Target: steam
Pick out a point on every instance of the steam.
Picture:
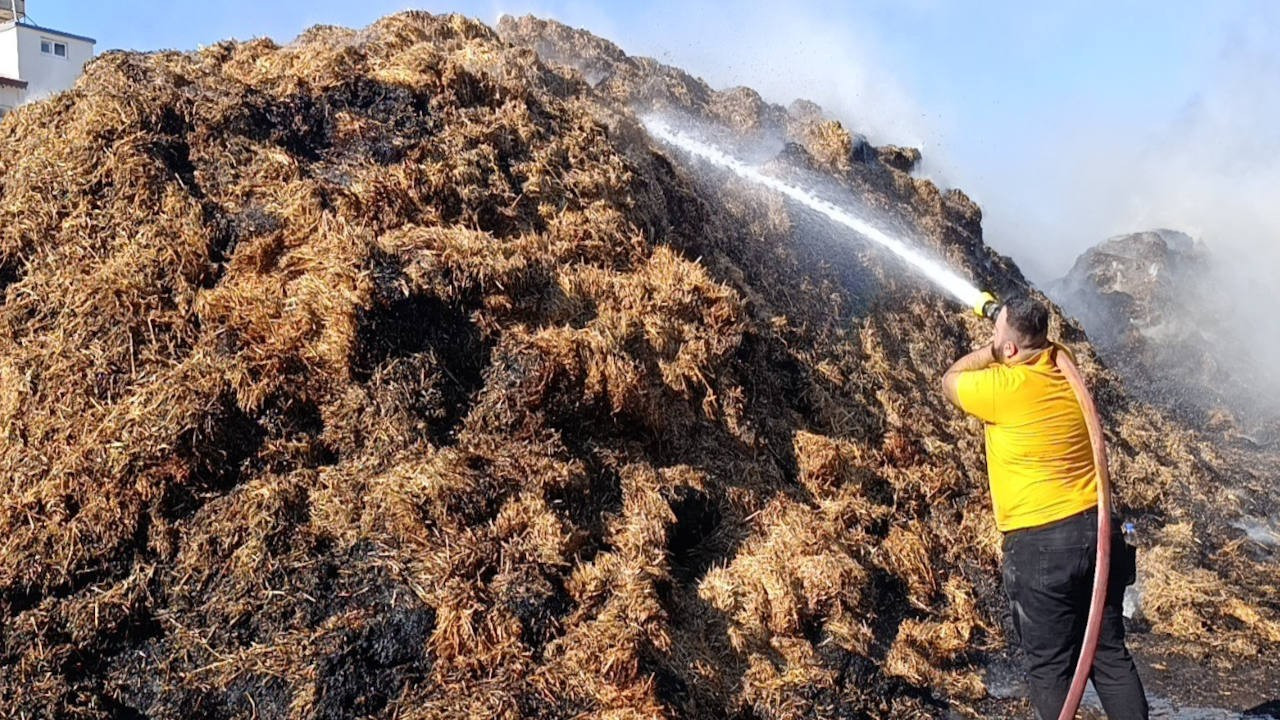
(784, 51)
(1212, 171)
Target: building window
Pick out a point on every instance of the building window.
(53, 47)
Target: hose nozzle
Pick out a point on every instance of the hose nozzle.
(987, 306)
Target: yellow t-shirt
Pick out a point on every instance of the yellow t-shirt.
(1039, 458)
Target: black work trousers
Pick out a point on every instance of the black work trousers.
(1048, 576)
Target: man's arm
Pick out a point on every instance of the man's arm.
(976, 360)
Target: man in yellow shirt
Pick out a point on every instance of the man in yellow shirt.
(1044, 494)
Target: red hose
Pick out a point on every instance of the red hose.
(1103, 564)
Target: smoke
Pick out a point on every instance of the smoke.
(1211, 170)
(785, 51)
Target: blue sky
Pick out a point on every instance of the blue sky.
(1068, 122)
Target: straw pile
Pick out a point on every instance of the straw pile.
(394, 373)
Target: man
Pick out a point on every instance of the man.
(1044, 492)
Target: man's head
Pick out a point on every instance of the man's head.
(1022, 327)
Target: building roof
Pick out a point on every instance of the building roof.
(13, 83)
(59, 33)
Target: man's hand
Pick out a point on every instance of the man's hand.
(976, 360)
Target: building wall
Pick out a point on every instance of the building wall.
(10, 98)
(9, 50)
(48, 74)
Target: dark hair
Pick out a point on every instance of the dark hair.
(1029, 318)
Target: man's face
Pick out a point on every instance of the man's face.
(1002, 344)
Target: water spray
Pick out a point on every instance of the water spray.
(984, 304)
(958, 287)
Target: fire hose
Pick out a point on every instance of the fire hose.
(989, 307)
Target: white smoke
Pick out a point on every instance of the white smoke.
(784, 51)
(1212, 171)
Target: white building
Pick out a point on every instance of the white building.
(36, 61)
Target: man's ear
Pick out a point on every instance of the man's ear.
(1010, 349)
